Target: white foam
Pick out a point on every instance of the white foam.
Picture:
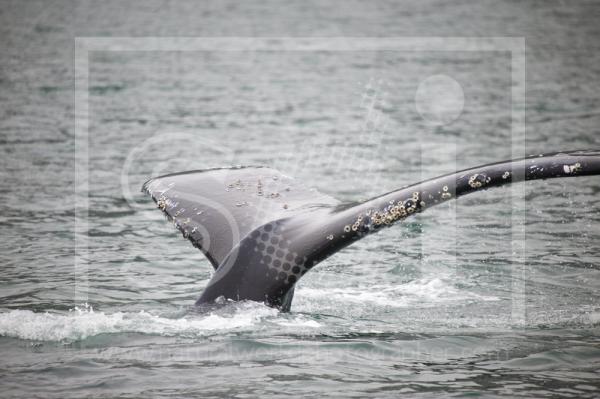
(594, 317)
(298, 321)
(424, 292)
(83, 323)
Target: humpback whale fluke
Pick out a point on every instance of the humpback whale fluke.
(262, 230)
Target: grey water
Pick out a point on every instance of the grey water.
(495, 295)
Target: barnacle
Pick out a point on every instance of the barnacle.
(377, 219)
(576, 167)
(479, 180)
(162, 204)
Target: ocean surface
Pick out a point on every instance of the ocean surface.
(495, 295)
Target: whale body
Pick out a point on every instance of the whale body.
(262, 230)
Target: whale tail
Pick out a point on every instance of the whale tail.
(262, 230)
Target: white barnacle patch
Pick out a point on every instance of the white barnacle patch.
(377, 219)
(330, 237)
(445, 194)
(568, 169)
(393, 212)
(478, 180)
(347, 228)
(162, 203)
(506, 175)
(473, 182)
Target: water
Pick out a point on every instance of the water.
(430, 307)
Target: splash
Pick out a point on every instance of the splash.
(425, 292)
(83, 322)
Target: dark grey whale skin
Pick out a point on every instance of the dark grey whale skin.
(262, 230)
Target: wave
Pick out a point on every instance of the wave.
(422, 292)
(84, 322)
